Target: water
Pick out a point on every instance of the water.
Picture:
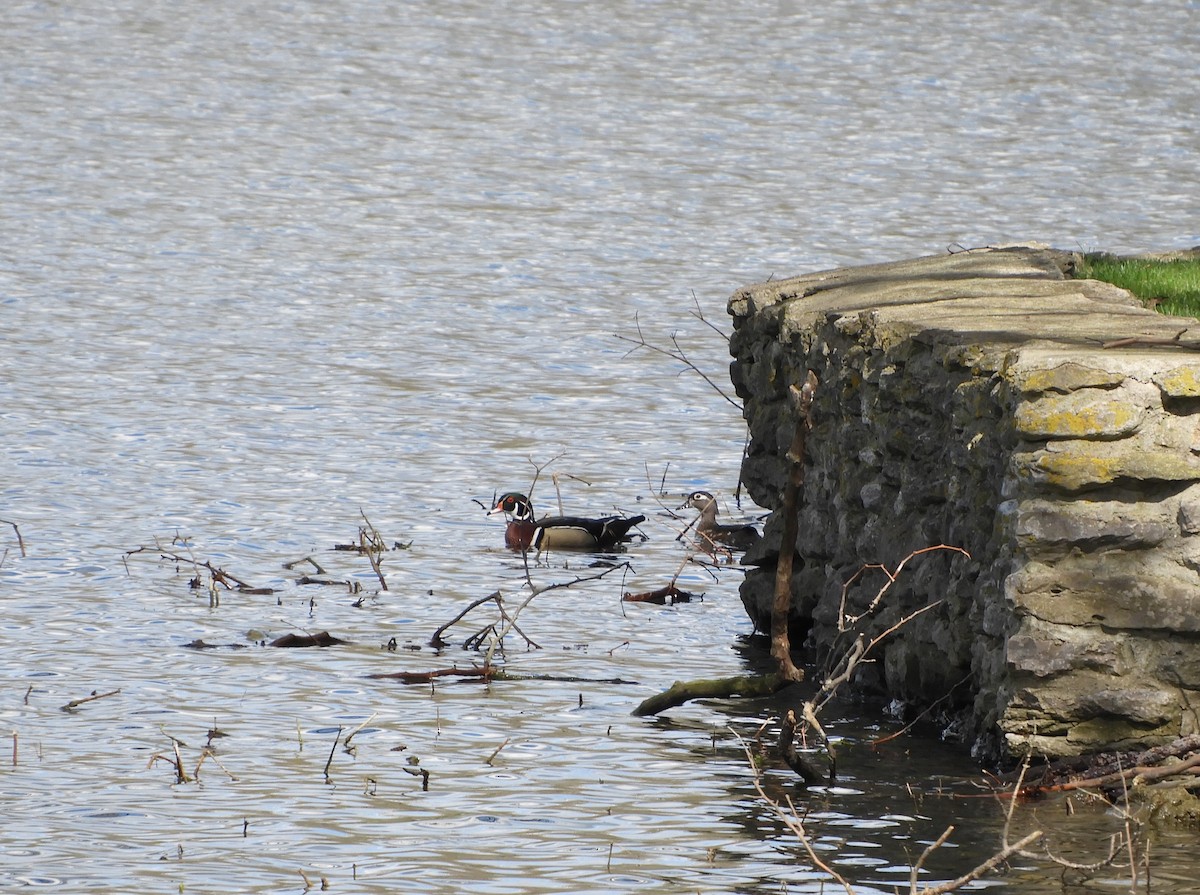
(269, 267)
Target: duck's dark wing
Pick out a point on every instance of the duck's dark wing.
(739, 537)
(580, 533)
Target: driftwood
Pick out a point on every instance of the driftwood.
(1130, 776)
(323, 638)
(491, 673)
(486, 673)
(748, 685)
(76, 703)
(663, 595)
(1118, 771)
(799, 762)
(290, 566)
(202, 644)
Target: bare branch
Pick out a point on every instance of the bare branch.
(991, 863)
(699, 315)
(372, 545)
(17, 532)
(929, 850)
(844, 620)
(76, 703)
(678, 355)
(538, 468)
(792, 821)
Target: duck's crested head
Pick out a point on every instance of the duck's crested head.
(514, 504)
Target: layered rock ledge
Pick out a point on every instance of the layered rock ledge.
(1048, 426)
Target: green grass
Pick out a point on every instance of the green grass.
(1171, 287)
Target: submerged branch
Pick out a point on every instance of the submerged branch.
(746, 686)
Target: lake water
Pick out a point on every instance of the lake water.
(269, 268)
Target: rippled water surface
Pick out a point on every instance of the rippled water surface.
(269, 269)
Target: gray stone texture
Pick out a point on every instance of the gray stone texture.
(978, 400)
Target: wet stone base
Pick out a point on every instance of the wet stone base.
(1048, 426)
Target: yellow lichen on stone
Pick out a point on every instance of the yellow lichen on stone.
(1181, 382)
(1062, 418)
(1074, 471)
(1086, 465)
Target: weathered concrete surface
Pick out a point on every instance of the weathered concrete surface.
(970, 400)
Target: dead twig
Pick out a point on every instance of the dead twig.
(678, 354)
(474, 641)
(373, 547)
(17, 532)
(843, 670)
(354, 733)
(496, 751)
(554, 480)
(438, 641)
(217, 574)
(485, 673)
(1137, 775)
(332, 749)
(845, 620)
(842, 673)
(535, 591)
(290, 566)
(1146, 340)
(180, 774)
(1006, 852)
(699, 315)
(205, 754)
(538, 469)
(791, 820)
(76, 703)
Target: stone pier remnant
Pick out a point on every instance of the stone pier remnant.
(1048, 426)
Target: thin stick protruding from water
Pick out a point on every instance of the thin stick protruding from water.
(487, 761)
(76, 703)
(332, 749)
(17, 531)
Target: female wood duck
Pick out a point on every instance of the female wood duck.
(558, 532)
(710, 532)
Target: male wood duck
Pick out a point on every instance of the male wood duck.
(710, 532)
(558, 532)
